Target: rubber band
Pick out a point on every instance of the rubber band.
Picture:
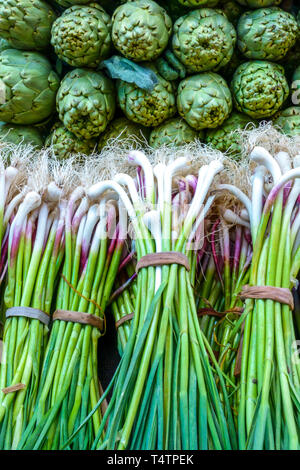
(79, 317)
(278, 294)
(29, 312)
(13, 388)
(163, 258)
(124, 319)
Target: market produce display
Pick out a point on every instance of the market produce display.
(149, 174)
(60, 49)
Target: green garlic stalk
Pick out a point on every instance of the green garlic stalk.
(34, 248)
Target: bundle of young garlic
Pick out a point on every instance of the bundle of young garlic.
(268, 413)
(34, 246)
(165, 370)
(69, 387)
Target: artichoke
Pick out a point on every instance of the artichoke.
(289, 121)
(20, 135)
(123, 129)
(267, 33)
(141, 30)
(28, 87)
(203, 40)
(148, 108)
(226, 137)
(81, 36)
(259, 88)
(86, 102)
(26, 24)
(63, 143)
(204, 100)
(173, 132)
(259, 3)
(199, 3)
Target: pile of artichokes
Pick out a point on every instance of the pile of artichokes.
(215, 67)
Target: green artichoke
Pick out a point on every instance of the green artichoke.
(86, 102)
(81, 36)
(203, 40)
(141, 30)
(267, 33)
(145, 107)
(26, 24)
(204, 100)
(226, 137)
(259, 88)
(63, 143)
(20, 135)
(28, 87)
(259, 3)
(173, 132)
(289, 121)
(199, 3)
(123, 129)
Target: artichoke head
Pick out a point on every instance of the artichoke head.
(28, 87)
(26, 135)
(123, 130)
(26, 24)
(267, 33)
(86, 102)
(203, 40)
(141, 30)
(63, 143)
(259, 88)
(204, 100)
(81, 36)
(226, 138)
(148, 108)
(289, 121)
(173, 132)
